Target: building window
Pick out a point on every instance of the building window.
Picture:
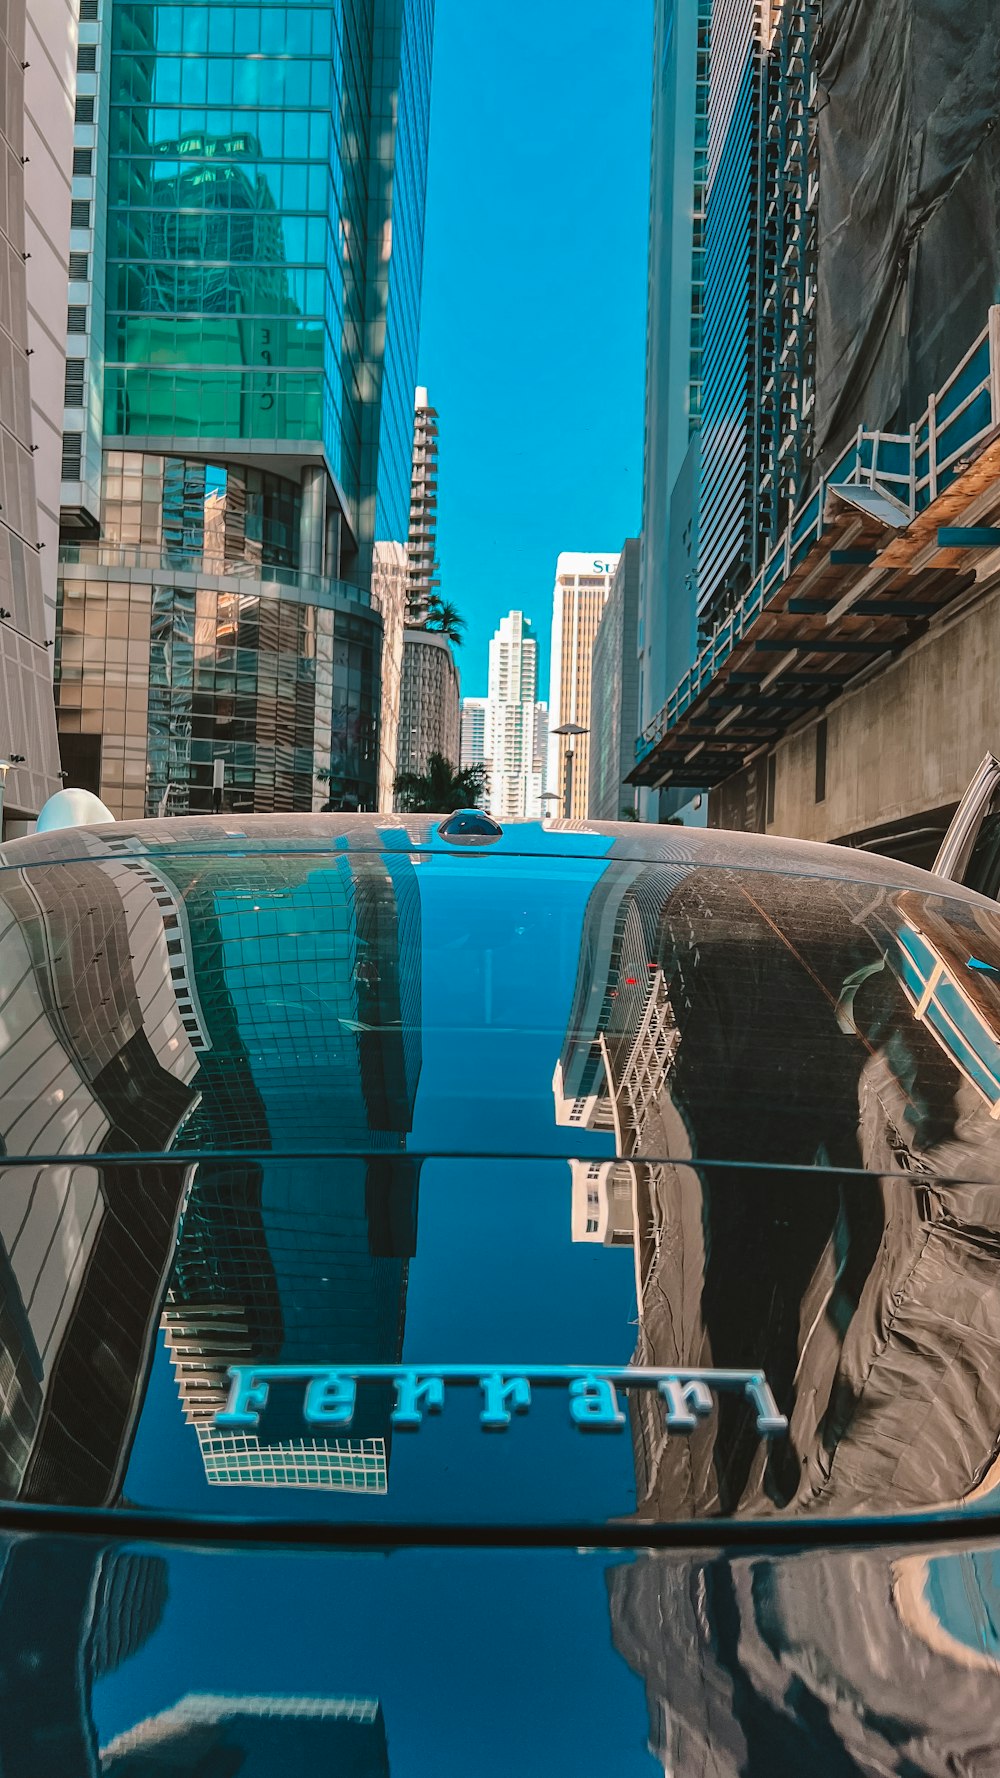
(73, 387)
(84, 109)
(83, 160)
(821, 761)
(88, 11)
(86, 58)
(79, 213)
(72, 456)
(76, 318)
(79, 267)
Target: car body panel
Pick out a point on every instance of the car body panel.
(594, 1146)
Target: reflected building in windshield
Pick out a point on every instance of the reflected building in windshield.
(96, 1054)
(258, 1736)
(820, 1048)
(232, 1006)
(845, 1662)
(314, 1014)
(71, 1614)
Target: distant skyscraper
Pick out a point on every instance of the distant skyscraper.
(472, 743)
(429, 701)
(540, 755)
(473, 738)
(515, 784)
(422, 565)
(582, 585)
(613, 694)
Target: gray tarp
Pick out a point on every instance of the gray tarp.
(909, 204)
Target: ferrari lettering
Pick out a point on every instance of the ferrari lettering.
(592, 1393)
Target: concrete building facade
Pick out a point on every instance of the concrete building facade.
(614, 694)
(815, 704)
(429, 701)
(582, 584)
(37, 88)
(516, 780)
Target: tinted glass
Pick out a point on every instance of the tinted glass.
(983, 870)
(366, 1178)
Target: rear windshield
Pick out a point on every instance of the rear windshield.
(358, 1187)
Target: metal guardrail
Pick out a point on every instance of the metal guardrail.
(305, 588)
(912, 467)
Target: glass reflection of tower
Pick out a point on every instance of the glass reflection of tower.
(96, 1057)
(309, 979)
(255, 1736)
(613, 1074)
(70, 1614)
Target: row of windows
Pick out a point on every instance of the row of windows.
(217, 302)
(227, 237)
(215, 184)
(303, 29)
(149, 87)
(227, 513)
(237, 404)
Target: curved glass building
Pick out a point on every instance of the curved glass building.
(248, 207)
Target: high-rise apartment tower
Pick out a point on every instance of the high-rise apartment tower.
(422, 565)
(516, 780)
(583, 583)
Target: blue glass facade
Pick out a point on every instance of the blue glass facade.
(260, 173)
(266, 183)
(674, 332)
(731, 355)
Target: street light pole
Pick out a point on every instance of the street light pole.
(16, 759)
(570, 730)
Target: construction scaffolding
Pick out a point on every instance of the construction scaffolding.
(890, 536)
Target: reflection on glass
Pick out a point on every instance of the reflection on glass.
(763, 1091)
(203, 1734)
(236, 1015)
(835, 1662)
(770, 1024)
(70, 1615)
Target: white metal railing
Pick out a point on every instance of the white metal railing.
(913, 467)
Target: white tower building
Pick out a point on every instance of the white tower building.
(583, 582)
(516, 777)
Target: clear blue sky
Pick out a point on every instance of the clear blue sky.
(534, 297)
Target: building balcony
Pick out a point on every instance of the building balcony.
(864, 565)
(117, 562)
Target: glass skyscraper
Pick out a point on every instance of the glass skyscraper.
(248, 211)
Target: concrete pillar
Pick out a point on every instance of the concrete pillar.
(332, 568)
(312, 522)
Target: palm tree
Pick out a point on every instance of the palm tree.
(440, 789)
(447, 619)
